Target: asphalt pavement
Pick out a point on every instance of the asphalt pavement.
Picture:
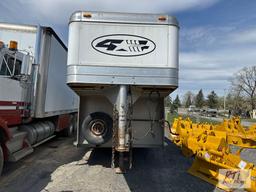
(58, 166)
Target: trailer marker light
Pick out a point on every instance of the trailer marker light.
(162, 18)
(87, 15)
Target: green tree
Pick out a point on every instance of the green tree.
(199, 100)
(176, 103)
(167, 101)
(212, 100)
(188, 101)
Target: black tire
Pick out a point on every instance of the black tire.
(68, 132)
(97, 128)
(74, 121)
(1, 160)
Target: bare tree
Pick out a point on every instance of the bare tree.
(188, 99)
(244, 82)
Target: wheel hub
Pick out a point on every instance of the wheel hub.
(98, 127)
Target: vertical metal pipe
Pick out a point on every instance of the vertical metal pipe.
(35, 70)
(122, 120)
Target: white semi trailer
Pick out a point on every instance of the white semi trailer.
(122, 66)
(35, 101)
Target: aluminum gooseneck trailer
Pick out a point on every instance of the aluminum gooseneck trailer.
(35, 101)
(122, 66)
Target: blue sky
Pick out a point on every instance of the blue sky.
(215, 43)
(217, 37)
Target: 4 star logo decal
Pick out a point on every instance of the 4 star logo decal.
(123, 45)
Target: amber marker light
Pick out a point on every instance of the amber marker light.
(87, 15)
(13, 45)
(162, 18)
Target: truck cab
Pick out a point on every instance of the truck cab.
(15, 76)
(13, 63)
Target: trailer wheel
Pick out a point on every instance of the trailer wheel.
(97, 128)
(1, 160)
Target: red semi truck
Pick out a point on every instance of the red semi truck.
(35, 101)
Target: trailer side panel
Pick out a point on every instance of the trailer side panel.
(54, 96)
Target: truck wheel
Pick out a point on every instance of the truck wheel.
(68, 132)
(1, 160)
(74, 121)
(97, 128)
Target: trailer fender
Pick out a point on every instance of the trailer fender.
(97, 128)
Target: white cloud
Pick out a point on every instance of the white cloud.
(248, 36)
(59, 10)
(62, 6)
(210, 55)
(56, 13)
(209, 36)
(228, 59)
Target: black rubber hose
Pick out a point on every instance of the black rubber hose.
(169, 126)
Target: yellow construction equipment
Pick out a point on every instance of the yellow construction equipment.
(208, 140)
(235, 132)
(214, 161)
(192, 137)
(224, 169)
(184, 128)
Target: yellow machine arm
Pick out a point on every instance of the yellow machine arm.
(214, 161)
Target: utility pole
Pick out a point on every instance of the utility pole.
(224, 104)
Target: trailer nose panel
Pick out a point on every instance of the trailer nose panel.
(115, 49)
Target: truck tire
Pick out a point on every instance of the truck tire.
(75, 123)
(97, 128)
(1, 160)
(68, 132)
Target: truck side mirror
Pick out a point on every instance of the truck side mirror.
(26, 66)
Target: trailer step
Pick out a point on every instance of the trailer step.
(20, 154)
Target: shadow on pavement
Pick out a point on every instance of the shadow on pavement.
(156, 169)
(100, 156)
(33, 173)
